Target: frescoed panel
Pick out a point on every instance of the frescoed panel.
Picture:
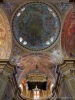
(5, 36)
(29, 62)
(68, 35)
(63, 6)
(10, 6)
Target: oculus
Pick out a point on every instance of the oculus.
(36, 26)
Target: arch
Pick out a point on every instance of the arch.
(68, 35)
(46, 63)
(5, 36)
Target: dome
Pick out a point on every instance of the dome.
(36, 26)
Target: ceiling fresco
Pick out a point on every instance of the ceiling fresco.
(32, 59)
(10, 6)
(28, 63)
(57, 53)
(68, 35)
(38, 48)
(63, 6)
(36, 26)
(5, 37)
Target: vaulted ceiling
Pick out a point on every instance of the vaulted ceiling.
(37, 34)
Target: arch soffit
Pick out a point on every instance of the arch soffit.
(5, 36)
(45, 63)
(67, 40)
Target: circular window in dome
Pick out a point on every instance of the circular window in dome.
(36, 26)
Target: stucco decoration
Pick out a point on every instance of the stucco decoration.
(5, 36)
(36, 26)
(68, 35)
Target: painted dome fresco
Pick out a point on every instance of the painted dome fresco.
(36, 26)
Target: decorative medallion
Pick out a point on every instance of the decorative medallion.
(36, 26)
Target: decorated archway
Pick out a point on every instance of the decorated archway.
(36, 71)
(68, 35)
(5, 36)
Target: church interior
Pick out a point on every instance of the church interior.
(37, 50)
